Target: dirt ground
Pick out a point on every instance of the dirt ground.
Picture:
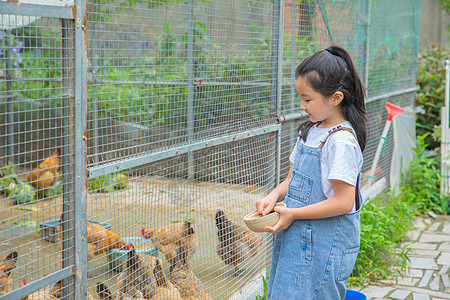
(149, 202)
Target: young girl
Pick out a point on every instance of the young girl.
(317, 236)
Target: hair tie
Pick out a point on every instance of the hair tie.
(329, 50)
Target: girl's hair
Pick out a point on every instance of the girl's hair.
(331, 70)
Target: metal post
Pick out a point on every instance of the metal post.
(80, 139)
(68, 159)
(279, 72)
(275, 94)
(293, 67)
(94, 112)
(9, 100)
(367, 50)
(445, 132)
(415, 45)
(74, 215)
(190, 71)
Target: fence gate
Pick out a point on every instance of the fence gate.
(158, 124)
(44, 105)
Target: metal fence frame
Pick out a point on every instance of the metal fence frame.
(73, 15)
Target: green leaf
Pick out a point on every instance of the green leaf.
(25, 224)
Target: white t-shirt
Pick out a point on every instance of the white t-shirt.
(341, 157)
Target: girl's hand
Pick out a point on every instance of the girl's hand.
(265, 205)
(286, 218)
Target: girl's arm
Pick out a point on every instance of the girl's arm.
(266, 204)
(341, 203)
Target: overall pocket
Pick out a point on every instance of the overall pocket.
(296, 251)
(300, 187)
(347, 263)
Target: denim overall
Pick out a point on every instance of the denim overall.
(312, 259)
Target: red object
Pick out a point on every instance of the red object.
(144, 235)
(127, 247)
(393, 110)
(24, 282)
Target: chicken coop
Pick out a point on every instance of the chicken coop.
(136, 134)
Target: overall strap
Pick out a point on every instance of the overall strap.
(334, 130)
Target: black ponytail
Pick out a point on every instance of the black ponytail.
(331, 70)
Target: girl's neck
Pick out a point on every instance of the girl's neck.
(331, 122)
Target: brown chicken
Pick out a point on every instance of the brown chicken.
(184, 279)
(168, 238)
(54, 293)
(236, 244)
(100, 239)
(46, 173)
(6, 266)
(137, 275)
(164, 288)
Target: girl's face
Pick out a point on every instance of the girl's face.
(318, 107)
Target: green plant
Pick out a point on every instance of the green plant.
(22, 193)
(386, 218)
(150, 105)
(445, 4)
(266, 291)
(109, 183)
(384, 223)
(25, 223)
(7, 183)
(187, 217)
(54, 190)
(423, 180)
(10, 50)
(9, 169)
(430, 97)
(14, 188)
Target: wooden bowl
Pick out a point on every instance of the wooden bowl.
(256, 223)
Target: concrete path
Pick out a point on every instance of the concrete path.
(427, 275)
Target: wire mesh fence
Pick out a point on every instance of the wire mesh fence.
(136, 134)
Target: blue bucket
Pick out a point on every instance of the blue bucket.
(354, 295)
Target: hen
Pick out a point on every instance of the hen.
(100, 239)
(164, 288)
(168, 238)
(6, 266)
(137, 275)
(235, 243)
(185, 280)
(46, 173)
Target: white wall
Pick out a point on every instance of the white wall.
(434, 24)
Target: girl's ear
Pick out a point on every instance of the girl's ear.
(337, 98)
